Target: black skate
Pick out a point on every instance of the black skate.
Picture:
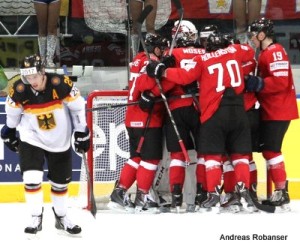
(245, 194)
(120, 201)
(231, 203)
(63, 223)
(201, 195)
(280, 198)
(144, 203)
(213, 198)
(35, 225)
(177, 197)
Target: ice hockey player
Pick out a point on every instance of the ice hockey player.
(43, 106)
(143, 121)
(224, 123)
(278, 103)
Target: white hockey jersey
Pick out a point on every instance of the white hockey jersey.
(45, 119)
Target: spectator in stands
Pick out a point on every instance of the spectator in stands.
(47, 12)
(245, 12)
(136, 8)
(44, 107)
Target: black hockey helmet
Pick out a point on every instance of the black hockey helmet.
(216, 41)
(207, 30)
(265, 25)
(30, 65)
(155, 40)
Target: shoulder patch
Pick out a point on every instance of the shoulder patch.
(20, 87)
(55, 80)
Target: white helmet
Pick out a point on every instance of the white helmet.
(187, 32)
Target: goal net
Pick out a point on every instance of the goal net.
(109, 143)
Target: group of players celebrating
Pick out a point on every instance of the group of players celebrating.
(211, 95)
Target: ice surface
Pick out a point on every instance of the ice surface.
(166, 232)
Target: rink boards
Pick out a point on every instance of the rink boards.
(11, 187)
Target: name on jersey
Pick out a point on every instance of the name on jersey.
(194, 51)
(279, 65)
(218, 53)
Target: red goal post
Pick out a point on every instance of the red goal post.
(109, 142)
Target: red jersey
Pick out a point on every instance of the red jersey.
(278, 97)
(183, 56)
(249, 97)
(215, 71)
(138, 83)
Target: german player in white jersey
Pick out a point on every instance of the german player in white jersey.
(42, 107)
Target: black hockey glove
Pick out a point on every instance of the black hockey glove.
(155, 69)
(10, 138)
(254, 83)
(191, 88)
(168, 61)
(146, 101)
(82, 141)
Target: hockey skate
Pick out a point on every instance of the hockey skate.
(245, 194)
(213, 199)
(231, 203)
(201, 196)
(35, 225)
(63, 223)
(120, 201)
(280, 198)
(177, 197)
(144, 203)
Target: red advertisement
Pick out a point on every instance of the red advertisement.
(220, 9)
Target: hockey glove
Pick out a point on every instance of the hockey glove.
(155, 69)
(10, 138)
(191, 88)
(82, 141)
(168, 61)
(254, 83)
(146, 101)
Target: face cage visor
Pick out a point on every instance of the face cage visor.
(27, 71)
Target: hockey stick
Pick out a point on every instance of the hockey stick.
(179, 8)
(141, 142)
(140, 21)
(137, 102)
(93, 207)
(262, 207)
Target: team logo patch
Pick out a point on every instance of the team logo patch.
(55, 80)
(20, 88)
(46, 121)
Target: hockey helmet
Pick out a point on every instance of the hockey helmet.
(205, 32)
(216, 41)
(30, 65)
(261, 25)
(187, 33)
(155, 40)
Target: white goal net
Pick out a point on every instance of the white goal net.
(109, 146)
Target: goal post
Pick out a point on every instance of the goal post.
(109, 142)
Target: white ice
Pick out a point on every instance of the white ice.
(167, 232)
